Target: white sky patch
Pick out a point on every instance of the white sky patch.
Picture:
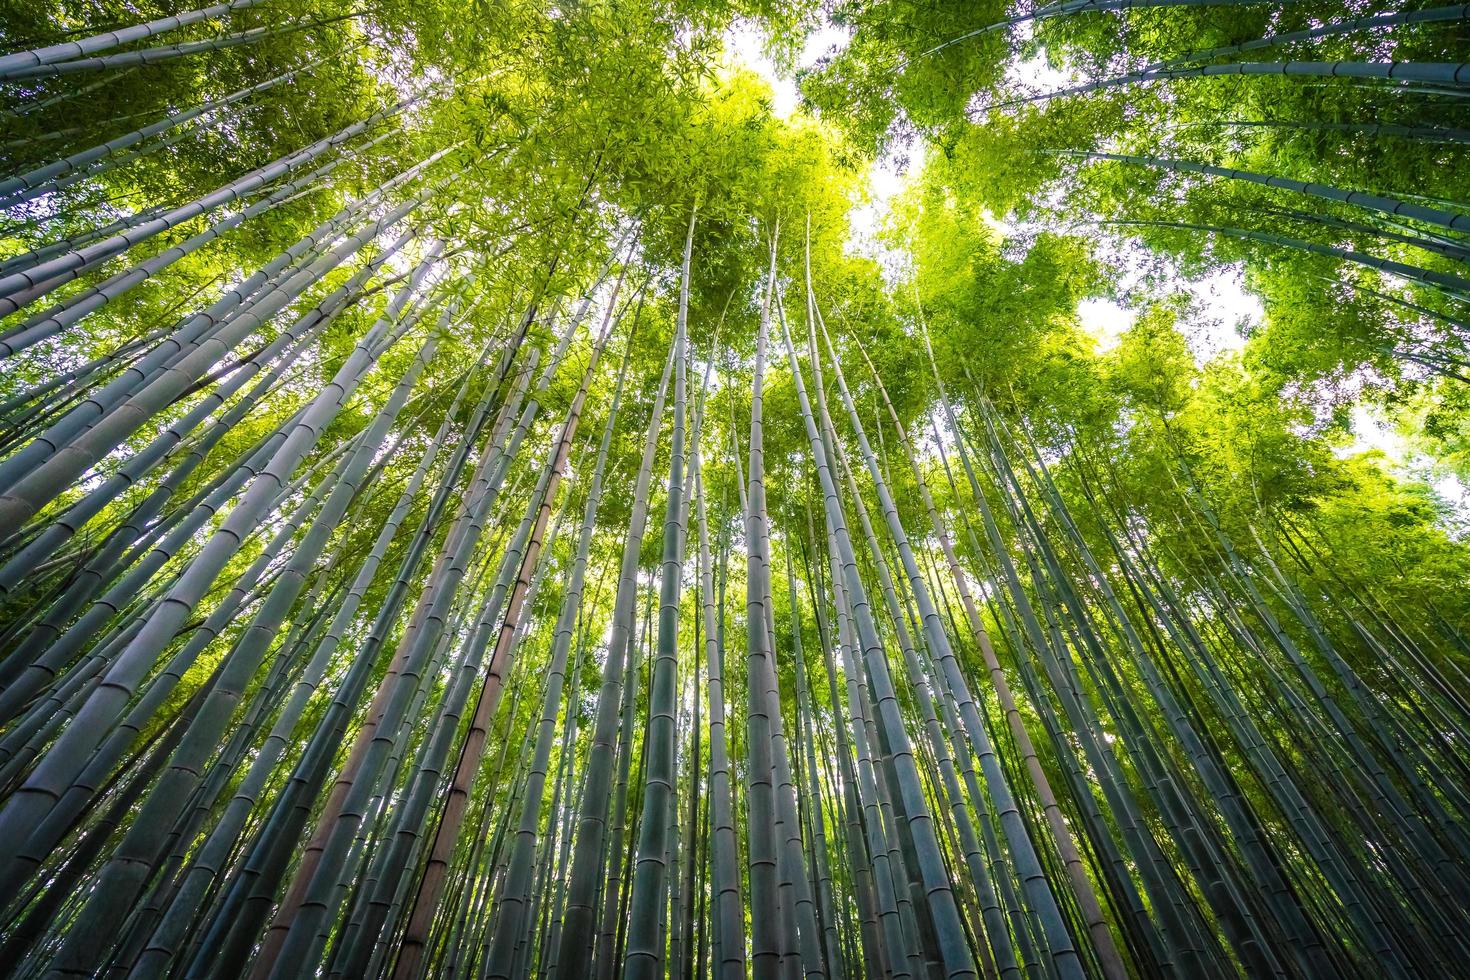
(745, 43)
(1223, 311)
(1035, 75)
(1371, 431)
(1000, 226)
(1226, 309)
(825, 40)
(1105, 321)
(886, 177)
(1454, 492)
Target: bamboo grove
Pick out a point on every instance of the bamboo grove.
(468, 509)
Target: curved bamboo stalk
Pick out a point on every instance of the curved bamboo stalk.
(152, 56)
(1372, 202)
(68, 50)
(1430, 15)
(1452, 75)
(46, 175)
(1452, 286)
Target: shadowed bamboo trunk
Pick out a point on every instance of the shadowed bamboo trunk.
(580, 932)
(510, 910)
(425, 903)
(66, 758)
(953, 945)
(729, 925)
(1038, 891)
(644, 955)
(768, 920)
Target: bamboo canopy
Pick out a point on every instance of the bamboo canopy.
(513, 491)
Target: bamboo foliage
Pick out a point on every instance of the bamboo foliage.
(330, 644)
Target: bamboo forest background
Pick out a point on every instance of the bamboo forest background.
(471, 505)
